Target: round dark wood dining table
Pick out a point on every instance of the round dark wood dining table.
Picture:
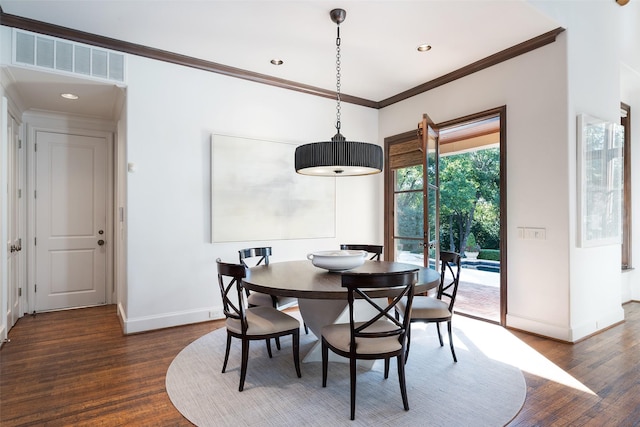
(321, 297)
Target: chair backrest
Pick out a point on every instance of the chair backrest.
(230, 279)
(375, 250)
(262, 253)
(393, 287)
(449, 277)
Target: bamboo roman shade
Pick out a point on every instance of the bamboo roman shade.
(405, 154)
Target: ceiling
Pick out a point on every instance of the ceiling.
(378, 41)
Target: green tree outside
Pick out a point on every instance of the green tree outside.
(469, 201)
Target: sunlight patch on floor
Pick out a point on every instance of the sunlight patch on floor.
(499, 344)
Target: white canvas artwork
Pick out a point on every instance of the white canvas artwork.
(257, 194)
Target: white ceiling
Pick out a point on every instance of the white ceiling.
(379, 40)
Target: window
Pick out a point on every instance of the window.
(625, 121)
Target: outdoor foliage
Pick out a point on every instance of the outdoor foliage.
(409, 209)
(489, 254)
(469, 202)
(470, 199)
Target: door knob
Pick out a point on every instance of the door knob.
(101, 242)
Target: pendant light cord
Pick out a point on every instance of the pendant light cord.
(338, 136)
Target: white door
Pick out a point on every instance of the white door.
(71, 220)
(14, 219)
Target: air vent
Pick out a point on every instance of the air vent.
(50, 53)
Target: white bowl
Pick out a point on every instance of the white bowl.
(339, 260)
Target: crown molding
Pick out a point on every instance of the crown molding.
(187, 61)
(496, 58)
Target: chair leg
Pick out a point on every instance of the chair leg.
(403, 383)
(325, 362)
(277, 342)
(386, 368)
(226, 354)
(406, 354)
(269, 348)
(352, 372)
(439, 334)
(243, 365)
(453, 352)
(306, 329)
(296, 351)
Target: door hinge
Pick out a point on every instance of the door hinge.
(35, 241)
(19, 292)
(35, 147)
(34, 194)
(35, 288)
(19, 193)
(19, 144)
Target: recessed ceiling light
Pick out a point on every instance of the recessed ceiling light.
(69, 95)
(424, 48)
(277, 61)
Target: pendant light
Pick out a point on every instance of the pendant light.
(338, 157)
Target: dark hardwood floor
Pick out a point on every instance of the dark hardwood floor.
(76, 368)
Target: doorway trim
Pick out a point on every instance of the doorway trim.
(57, 123)
(501, 112)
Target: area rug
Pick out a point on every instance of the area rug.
(475, 391)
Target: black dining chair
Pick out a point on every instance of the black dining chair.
(381, 336)
(439, 308)
(375, 251)
(252, 323)
(251, 257)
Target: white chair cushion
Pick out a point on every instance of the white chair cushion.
(427, 308)
(263, 321)
(258, 299)
(339, 336)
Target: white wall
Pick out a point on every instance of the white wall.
(120, 214)
(4, 234)
(534, 89)
(596, 279)
(630, 95)
(171, 113)
(593, 75)
(554, 288)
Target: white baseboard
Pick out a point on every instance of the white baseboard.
(592, 327)
(566, 334)
(537, 327)
(166, 320)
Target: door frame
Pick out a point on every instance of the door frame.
(93, 128)
(10, 292)
(388, 203)
(502, 113)
(16, 207)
